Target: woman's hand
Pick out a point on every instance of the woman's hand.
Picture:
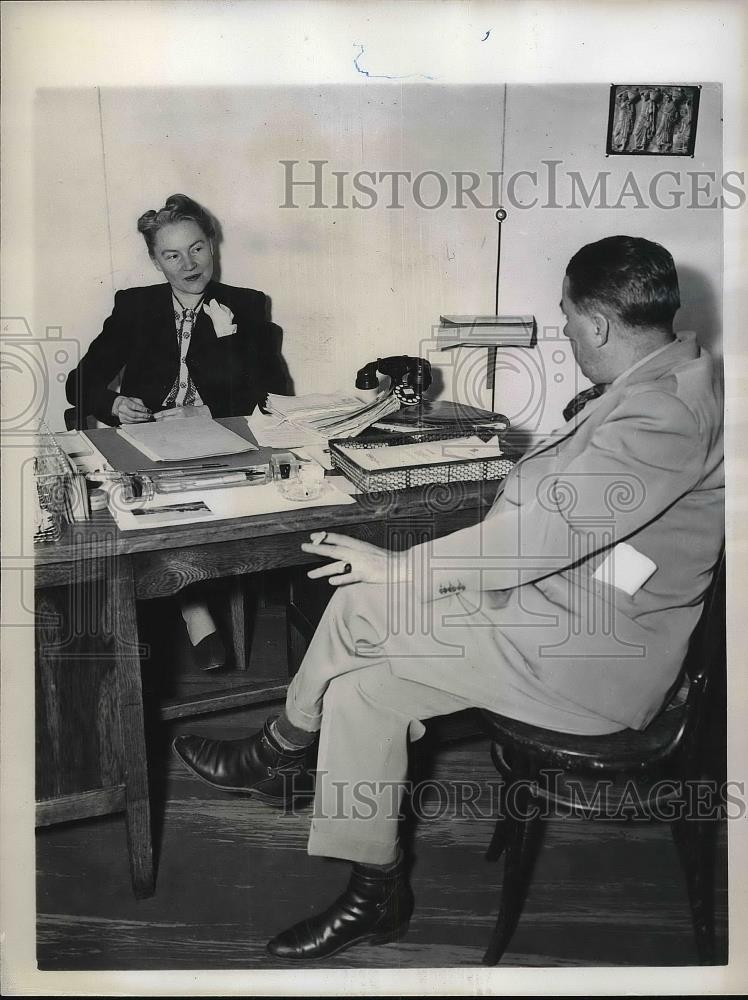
(183, 413)
(130, 410)
(354, 561)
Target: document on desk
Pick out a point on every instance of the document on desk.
(423, 453)
(215, 505)
(330, 415)
(315, 453)
(176, 440)
(273, 430)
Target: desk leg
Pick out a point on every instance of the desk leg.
(306, 601)
(121, 613)
(238, 621)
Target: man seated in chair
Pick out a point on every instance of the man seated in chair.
(569, 606)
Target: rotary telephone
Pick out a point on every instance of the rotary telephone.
(410, 377)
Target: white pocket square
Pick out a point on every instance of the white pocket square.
(222, 317)
(625, 569)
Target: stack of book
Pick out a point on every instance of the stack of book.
(332, 415)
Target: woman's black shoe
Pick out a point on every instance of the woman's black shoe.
(256, 766)
(374, 909)
(209, 653)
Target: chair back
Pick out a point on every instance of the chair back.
(74, 423)
(706, 661)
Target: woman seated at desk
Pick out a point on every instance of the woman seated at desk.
(189, 346)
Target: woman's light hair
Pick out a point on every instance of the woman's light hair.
(178, 208)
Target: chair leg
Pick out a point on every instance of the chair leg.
(501, 830)
(498, 841)
(521, 835)
(696, 842)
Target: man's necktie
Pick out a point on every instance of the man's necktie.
(581, 400)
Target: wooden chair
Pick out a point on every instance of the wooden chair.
(684, 743)
(71, 420)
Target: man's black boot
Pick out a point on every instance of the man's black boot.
(374, 909)
(256, 766)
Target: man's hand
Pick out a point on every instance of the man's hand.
(130, 410)
(354, 561)
(183, 413)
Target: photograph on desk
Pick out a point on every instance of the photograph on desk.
(379, 531)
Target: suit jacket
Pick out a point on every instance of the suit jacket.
(642, 464)
(232, 374)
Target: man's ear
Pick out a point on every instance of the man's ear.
(602, 328)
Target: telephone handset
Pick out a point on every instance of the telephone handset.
(410, 377)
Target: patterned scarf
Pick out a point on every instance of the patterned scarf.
(184, 392)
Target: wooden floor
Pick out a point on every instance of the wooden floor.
(233, 872)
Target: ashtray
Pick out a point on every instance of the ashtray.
(307, 484)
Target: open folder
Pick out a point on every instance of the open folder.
(176, 441)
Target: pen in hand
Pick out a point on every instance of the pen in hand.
(131, 410)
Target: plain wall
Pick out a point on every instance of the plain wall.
(567, 123)
(348, 285)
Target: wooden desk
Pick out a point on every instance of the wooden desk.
(91, 756)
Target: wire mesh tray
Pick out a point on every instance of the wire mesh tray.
(404, 477)
(53, 477)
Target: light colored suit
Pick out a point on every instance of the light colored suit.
(642, 464)
(508, 615)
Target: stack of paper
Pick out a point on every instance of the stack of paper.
(486, 331)
(271, 430)
(331, 415)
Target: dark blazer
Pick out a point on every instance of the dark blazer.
(233, 374)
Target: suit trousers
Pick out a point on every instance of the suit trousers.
(381, 662)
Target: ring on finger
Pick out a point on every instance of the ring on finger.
(347, 568)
